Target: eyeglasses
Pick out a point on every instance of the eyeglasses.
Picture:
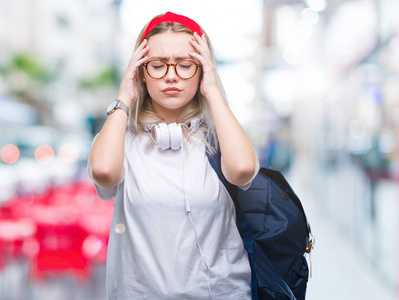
(185, 69)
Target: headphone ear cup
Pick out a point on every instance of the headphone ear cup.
(162, 136)
(168, 136)
(175, 135)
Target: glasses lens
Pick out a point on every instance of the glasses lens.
(186, 69)
(156, 68)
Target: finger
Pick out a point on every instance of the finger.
(201, 39)
(201, 46)
(202, 55)
(196, 43)
(140, 62)
(199, 52)
(141, 46)
(140, 51)
(195, 55)
(132, 69)
(138, 59)
(138, 56)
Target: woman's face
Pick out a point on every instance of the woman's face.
(170, 94)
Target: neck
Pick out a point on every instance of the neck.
(169, 115)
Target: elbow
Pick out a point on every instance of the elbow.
(104, 176)
(246, 173)
(243, 173)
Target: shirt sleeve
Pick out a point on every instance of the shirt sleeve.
(106, 194)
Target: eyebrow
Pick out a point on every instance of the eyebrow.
(164, 58)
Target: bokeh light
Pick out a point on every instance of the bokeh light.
(44, 154)
(68, 153)
(9, 153)
(92, 246)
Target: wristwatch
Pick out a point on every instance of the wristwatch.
(118, 104)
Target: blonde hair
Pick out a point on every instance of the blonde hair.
(142, 113)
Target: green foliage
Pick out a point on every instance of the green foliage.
(2, 70)
(30, 65)
(108, 77)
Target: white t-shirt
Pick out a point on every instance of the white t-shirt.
(152, 250)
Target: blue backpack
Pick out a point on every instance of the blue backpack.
(275, 232)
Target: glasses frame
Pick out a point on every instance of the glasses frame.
(174, 65)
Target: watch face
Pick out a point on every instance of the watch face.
(112, 107)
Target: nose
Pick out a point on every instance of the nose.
(171, 73)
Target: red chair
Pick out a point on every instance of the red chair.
(60, 252)
(71, 230)
(14, 233)
(60, 241)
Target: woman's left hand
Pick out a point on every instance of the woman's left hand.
(209, 83)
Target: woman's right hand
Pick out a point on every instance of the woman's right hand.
(128, 90)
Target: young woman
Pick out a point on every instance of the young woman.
(173, 233)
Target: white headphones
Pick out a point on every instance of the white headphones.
(171, 136)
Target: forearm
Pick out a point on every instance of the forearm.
(239, 159)
(105, 163)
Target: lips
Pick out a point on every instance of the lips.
(171, 91)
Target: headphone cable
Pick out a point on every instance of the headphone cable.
(188, 210)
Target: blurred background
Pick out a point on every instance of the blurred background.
(314, 83)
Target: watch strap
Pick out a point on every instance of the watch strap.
(120, 104)
(123, 106)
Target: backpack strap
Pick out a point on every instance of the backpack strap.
(242, 224)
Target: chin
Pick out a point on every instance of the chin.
(172, 103)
